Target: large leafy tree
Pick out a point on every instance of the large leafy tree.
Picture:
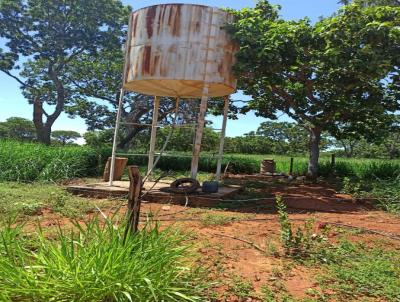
(17, 128)
(372, 2)
(287, 137)
(65, 136)
(45, 38)
(338, 75)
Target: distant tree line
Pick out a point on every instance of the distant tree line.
(281, 138)
(21, 129)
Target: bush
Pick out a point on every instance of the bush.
(93, 264)
(31, 162)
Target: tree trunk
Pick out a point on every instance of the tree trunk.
(43, 135)
(42, 132)
(43, 129)
(315, 138)
(128, 138)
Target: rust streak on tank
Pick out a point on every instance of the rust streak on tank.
(177, 21)
(135, 22)
(221, 69)
(151, 14)
(164, 9)
(146, 60)
(156, 62)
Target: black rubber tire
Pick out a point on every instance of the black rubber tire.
(176, 186)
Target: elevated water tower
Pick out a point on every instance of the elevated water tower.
(180, 51)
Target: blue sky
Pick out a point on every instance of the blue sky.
(12, 103)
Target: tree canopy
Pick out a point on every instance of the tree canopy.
(65, 136)
(17, 128)
(45, 38)
(338, 75)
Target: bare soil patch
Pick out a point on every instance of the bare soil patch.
(222, 235)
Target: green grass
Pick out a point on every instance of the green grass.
(361, 272)
(240, 287)
(357, 167)
(386, 193)
(349, 270)
(19, 199)
(93, 264)
(249, 164)
(215, 219)
(33, 162)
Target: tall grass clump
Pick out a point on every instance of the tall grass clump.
(34, 162)
(93, 264)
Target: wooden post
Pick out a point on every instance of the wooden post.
(134, 201)
(291, 166)
(199, 132)
(333, 160)
(222, 138)
(153, 135)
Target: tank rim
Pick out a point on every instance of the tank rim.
(174, 3)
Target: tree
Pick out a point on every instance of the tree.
(372, 2)
(288, 137)
(182, 139)
(47, 37)
(391, 141)
(341, 73)
(17, 128)
(99, 139)
(65, 136)
(250, 143)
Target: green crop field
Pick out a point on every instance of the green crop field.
(33, 162)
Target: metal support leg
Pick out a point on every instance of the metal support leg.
(177, 101)
(114, 148)
(199, 132)
(153, 134)
(222, 139)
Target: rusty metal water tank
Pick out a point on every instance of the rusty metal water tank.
(173, 49)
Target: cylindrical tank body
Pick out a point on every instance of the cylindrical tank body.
(174, 49)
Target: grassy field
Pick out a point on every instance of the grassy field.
(35, 162)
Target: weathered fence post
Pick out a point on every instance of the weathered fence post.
(134, 200)
(333, 160)
(291, 166)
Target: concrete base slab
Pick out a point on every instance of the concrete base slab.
(154, 192)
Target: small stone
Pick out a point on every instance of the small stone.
(166, 208)
(257, 277)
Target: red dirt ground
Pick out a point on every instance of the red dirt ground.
(228, 257)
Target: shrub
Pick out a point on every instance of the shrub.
(303, 243)
(93, 264)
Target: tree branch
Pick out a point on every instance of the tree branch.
(91, 94)
(18, 79)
